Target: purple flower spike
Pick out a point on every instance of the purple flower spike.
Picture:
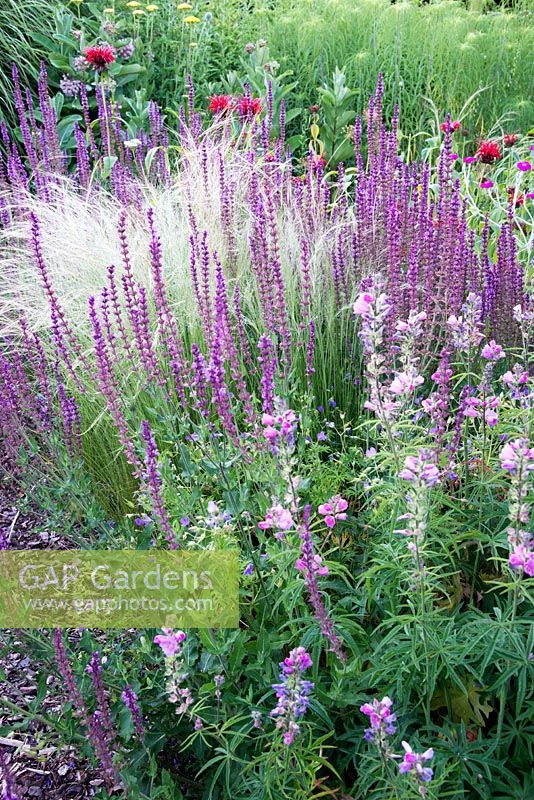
(292, 694)
(129, 698)
(154, 485)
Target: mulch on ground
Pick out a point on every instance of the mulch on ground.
(41, 765)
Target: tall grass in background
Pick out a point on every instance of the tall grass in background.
(18, 20)
(443, 51)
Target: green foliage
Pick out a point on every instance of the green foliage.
(17, 22)
(438, 50)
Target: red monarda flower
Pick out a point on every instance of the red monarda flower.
(316, 161)
(488, 152)
(509, 139)
(221, 103)
(519, 200)
(454, 125)
(100, 56)
(249, 106)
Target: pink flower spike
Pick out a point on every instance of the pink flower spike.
(330, 521)
(170, 641)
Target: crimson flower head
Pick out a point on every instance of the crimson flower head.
(509, 139)
(453, 126)
(221, 103)
(100, 56)
(249, 106)
(519, 200)
(316, 162)
(488, 152)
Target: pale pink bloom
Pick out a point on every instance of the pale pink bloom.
(277, 517)
(333, 510)
(491, 417)
(493, 351)
(170, 641)
(363, 303)
(404, 383)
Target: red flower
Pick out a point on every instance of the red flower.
(454, 126)
(221, 103)
(509, 139)
(249, 106)
(519, 200)
(316, 162)
(100, 56)
(488, 152)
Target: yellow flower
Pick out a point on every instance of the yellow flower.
(190, 20)
(184, 6)
(152, 7)
(138, 12)
(109, 11)
(193, 44)
(133, 4)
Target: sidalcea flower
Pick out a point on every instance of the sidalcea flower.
(221, 104)
(333, 510)
(524, 166)
(413, 762)
(486, 185)
(493, 351)
(470, 159)
(100, 56)
(170, 641)
(292, 693)
(381, 719)
(488, 152)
